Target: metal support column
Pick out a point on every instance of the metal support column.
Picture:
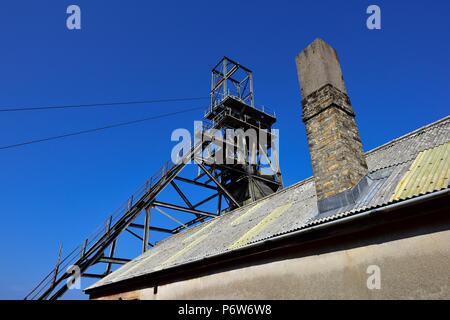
(146, 230)
(112, 249)
(218, 183)
(58, 260)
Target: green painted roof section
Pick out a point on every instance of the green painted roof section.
(429, 172)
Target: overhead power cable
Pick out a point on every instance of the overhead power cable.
(120, 124)
(105, 104)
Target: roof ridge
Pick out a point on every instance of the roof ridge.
(311, 178)
(383, 146)
(409, 135)
(412, 158)
(296, 184)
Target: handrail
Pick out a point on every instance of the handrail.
(59, 271)
(217, 102)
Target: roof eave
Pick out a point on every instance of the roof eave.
(143, 281)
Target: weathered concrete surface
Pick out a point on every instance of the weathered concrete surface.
(317, 66)
(412, 267)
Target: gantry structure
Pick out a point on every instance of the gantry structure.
(250, 171)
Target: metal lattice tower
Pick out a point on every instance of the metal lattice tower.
(252, 172)
(233, 107)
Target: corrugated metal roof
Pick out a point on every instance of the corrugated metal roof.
(406, 147)
(388, 166)
(249, 235)
(428, 172)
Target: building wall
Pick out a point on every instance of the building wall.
(412, 266)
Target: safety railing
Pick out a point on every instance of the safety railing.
(78, 252)
(50, 281)
(220, 97)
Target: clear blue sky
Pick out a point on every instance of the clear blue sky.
(397, 78)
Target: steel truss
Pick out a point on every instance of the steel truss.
(225, 181)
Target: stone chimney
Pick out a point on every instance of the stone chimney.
(338, 160)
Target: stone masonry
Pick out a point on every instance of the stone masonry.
(335, 146)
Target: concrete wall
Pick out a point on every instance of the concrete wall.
(413, 265)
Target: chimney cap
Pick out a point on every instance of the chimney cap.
(318, 65)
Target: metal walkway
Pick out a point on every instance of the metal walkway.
(237, 183)
(92, 251)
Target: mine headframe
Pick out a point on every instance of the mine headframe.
(247, 142)
(250, 172)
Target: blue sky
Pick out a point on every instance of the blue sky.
(397, 79)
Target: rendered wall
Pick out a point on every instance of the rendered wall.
(413, 265)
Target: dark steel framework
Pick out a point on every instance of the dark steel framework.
(232, 185)
(229, 78)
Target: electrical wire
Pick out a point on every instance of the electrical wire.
(105, 104)
(120, 124)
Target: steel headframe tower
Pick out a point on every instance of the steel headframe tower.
(256, 174)
(249, 145)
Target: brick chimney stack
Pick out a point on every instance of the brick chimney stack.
(338, 160)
